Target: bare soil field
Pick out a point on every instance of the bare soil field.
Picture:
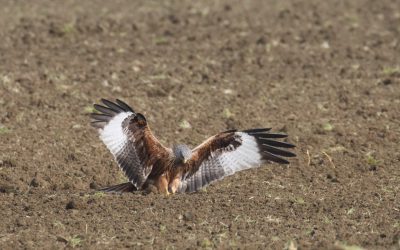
(325, 72)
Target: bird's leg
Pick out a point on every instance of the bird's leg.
(174, 184)
(162, 184)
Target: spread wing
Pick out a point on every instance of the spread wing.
(128, 137)
(229, 152)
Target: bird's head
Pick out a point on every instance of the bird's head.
(182, 153)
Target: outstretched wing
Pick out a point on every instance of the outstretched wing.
(128, 137)
(229, 152)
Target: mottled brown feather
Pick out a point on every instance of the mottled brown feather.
(217, 157)
(153, 155)
(141, 154)
(212, 145)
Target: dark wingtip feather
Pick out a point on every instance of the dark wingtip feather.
(104, 110)
(256, 130)
(101, 117)
(271, 157)
(114, 107)
(273, 143)
(107, 112)
(104, 101)
(277, 151)
(272, 135)
(124, 106)
(270, 149)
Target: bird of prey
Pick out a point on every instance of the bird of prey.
(145, 161)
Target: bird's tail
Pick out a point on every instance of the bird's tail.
(120, 188)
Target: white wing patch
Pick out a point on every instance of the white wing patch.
(244, 157)
(225, 163)
(113, 134)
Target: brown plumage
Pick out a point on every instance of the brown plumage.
(145, 161)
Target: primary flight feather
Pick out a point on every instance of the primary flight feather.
(145, 161)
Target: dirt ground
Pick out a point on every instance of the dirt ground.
(325, 72)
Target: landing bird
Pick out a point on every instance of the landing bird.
(145, 161)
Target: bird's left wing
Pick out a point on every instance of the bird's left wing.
(129, 138)
(229, 152)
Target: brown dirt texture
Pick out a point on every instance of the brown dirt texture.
(325, 72)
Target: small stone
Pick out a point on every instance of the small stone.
(20, 222)
(261, 41)
(292, 117)
(70, 205)
(227, 91)
(93, 185)
(34, 182)
(76, 126)
(387, 81)
(325, 45)
(188, 216)
(332, 178)
(62, 239)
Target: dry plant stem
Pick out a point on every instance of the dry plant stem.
(329, 158)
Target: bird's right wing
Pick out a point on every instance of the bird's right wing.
(229, 152)
(128, 137)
